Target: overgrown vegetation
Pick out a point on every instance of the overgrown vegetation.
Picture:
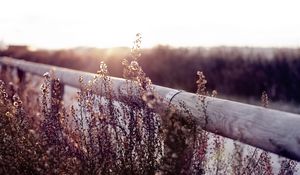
(104, 133)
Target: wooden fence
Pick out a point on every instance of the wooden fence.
(271, 130)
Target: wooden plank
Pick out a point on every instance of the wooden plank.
(270, 130)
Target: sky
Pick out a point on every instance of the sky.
(112, 23)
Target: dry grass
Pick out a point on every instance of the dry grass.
(109, 134)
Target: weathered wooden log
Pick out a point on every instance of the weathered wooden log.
(271, 130)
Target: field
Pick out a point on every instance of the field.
(232, 71)
(47, 128)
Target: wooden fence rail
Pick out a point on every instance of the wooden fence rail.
(270, 130)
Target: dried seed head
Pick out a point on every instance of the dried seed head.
(81, 79)
(264, 99)
(124, 62)
(17, 101)
(16, 104)
(201, 83)
(8, 114)
(150, 99)
(135, 50)
(46, 75)
(103, 69)
(214, 93)
(134, 65)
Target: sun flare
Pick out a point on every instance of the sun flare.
(59, 24)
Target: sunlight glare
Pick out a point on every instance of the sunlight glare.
(56, 24)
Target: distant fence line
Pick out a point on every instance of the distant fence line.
(271, 130)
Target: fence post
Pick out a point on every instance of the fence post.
(3, 72)
(21, 75)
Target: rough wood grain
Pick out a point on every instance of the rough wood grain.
(270, 130)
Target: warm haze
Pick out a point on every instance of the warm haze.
(61, 24)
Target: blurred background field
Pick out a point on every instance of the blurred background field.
(237, 73)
